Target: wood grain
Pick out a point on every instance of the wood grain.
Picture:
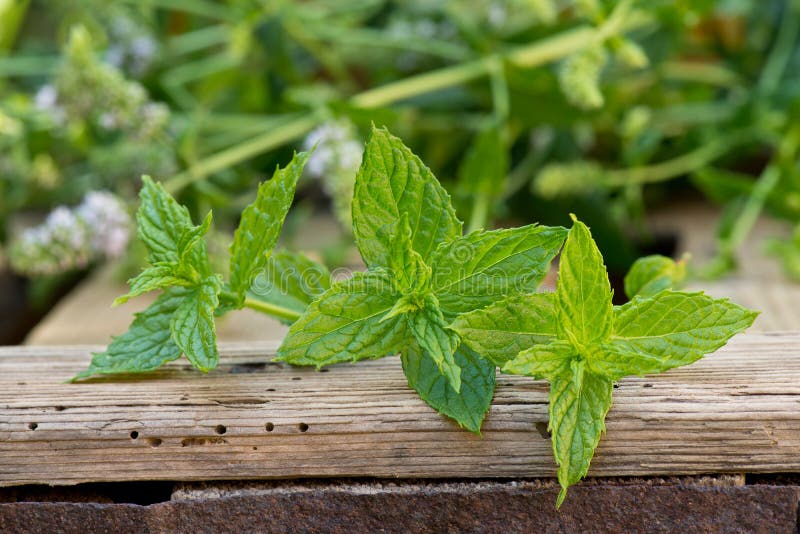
(735, 411)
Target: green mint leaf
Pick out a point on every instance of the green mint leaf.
(344, 324)
(261, 223)
(651, 274)
(408, 270)
(152, 278)
(161, 222)
(393, 181)
(542, 361)
(476, 270)
(291, 280)
(428, 328)
(147, 345)
(192, 325)
(193, 260)
(467, 407)
(579, 402)
(583, 293)
(500, 331)
(668, 330)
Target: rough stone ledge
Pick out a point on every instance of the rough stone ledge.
(694, 504)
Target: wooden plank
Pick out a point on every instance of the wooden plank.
(735, 411)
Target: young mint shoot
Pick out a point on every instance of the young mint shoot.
(580, 343)
(181, 320)
(422, 273)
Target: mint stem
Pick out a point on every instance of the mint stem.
(271, 309)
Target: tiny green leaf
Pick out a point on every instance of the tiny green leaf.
(408, 270)
(500, 331)
(161, 222)
(147, 345)
(651, 274)
(476, 270)
(192, 326)
(344, 324)
(583, 293)
(393, 181)
(467, 407)
(152, 278)
(261, 223)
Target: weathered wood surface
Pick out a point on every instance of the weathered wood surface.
(735, 411)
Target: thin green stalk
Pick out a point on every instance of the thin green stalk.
(480, 213)
(781, 51)
(752, 209)
(680, 165)
(273, 310)
(232, 156)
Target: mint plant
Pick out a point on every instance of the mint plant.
(453, 306)
(181, 320)
(422, 273)
(580, 343)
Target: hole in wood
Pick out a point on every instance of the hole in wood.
(270, 389)
(296, 378)
(59, 408)
(648, 385)
(303, 427)
(616, 386)
(541, 427)
(220, 429)
(194, 442)
(269, 427)
(154, 442)
(134, 434)
(33, 426)
(324, 370)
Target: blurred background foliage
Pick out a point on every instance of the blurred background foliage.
(526, 110)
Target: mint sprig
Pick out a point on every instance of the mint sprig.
(182, 319)
(422, 273)
(579, 342)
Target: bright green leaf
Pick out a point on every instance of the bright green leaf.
(651, 274)
(161, 222)
(408, 270)
(668, 330)
(152, 278)
(579, 402)
(193, 327)
(482, 267)
(344, 324)
(584, 292)
(500, 331)
(393, 181)
(147, 345)
(467, 407)
(261, 223)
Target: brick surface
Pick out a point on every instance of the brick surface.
(453, 507)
